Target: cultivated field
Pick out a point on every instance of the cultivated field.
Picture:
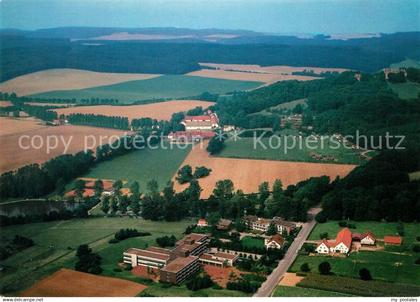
(75, 137)
(248, 174)
(267, 78)
(167, 86)
(142, 166)
(159, 111)
(9, 125)
(70, 283)
(5, 104)
(269, 69)
(64, 79)
(291, 291)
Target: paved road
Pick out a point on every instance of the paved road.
(273, 279)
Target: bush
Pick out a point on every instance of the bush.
(324, 268)
(199, 282)
(166, 241)
(416, 248)
(323, 235)
(201, 172)
(113, 240)
(308, 248)
(305, 267)
(128, 233)
(321, 217)
(364, 274)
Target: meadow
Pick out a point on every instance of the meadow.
(251, 242)
(292, 291)
(246, 148)
(407, 90)
(167, 86)
(394, 264)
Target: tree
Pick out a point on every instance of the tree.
(305, 267)
(117, 186)
(60, 186)
(152, 186)
(166, 241)
(201, 172)
(323, 235)
(223, 189)
(184, 174)
(364, 274)
(271, 230)
(98, 187)
(88, 262)
(105, 205)
(213, 218)
(79, 187)
(324, 268)
(216, 144)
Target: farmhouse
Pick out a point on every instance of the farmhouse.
(367, 238)
(201, 122)
(262, 224)
(224, 224)
(274, 242)
(175, 265)
(392, 240)
(218, 259)
(342, 243)
(202, 223)
(190, 136)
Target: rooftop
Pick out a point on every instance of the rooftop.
(178, 264)
(148, 253)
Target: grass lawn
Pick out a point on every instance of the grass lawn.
(142, 165)
(395, 264)
(291, 291)
(162, 290)
(250, 241)
(244, 148)
(55, 244)
(167, 86)
(407, 90)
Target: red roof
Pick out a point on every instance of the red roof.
(277, 239)
(393, 240)
(202, 222)
(344, 236)
(327, 243)
(197, 118)
(368, 234)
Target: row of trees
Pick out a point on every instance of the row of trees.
(185, 174)
(97, 120)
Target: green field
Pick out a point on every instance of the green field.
(142, 165)
(287, 105)
(395, 264)
(55, 244)
(406, 63)
(167, 86)
(407, 90)
(251, 242)
(245, 148)
(291, 291)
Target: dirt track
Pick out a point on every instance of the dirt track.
(248, 174)
(69, 283)
(159, 111)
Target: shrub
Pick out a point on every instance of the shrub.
(321, 217)
(201, 172)
(199, 282)
(323, 235)
(416, 248)
(364, 274)
(113, 240)
(166, 241)
(305, 267)
(324, 268)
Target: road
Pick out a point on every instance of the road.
(274, 278)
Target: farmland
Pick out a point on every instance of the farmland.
(75, 137)
(292, 291)
(64, 79)
(69, 283)
(394, 264)
(18, 125)
(142, 165)
(244, 148)
(55, 244)
(167, 86)
(159, 111)
(248, 174)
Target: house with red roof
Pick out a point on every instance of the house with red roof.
(392, 240)
(201, 122)
(342, 243)
(190, 136)
(274, 242)
(202, 223)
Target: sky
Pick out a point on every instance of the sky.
(272, 16)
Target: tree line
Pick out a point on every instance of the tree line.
(98, 120)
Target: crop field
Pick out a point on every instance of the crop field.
(142, 165)
(388, 264)
(55, 244)
(248, 174)
(245, 148)
(159, 111)
(406, 91)
(74, 137)
(292, 291)
(65, 79)
(9, 125)
(70, 283)
(167, 86)
(267, 78)
(269, 69)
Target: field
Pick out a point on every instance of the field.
(407, 90)
(405, 64)
(248, 174)
(142, 165)
(267, 78)
(10, 125)
(159, 111)
(269, 69)
(64, 79)
(5, 103)
(251, 242)
(291, 291)
(55, 244)
(69, 283)
(167, 86)
(76, 138)
(394, 264)
(244, 148)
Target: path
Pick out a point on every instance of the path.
(274, 278)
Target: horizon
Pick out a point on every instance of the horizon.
(270, 17)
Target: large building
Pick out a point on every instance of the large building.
(190, 136)
(219, 259)
(175, 264)
(262, 224)
(274, 242)
(201, 122)
(341, 244)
